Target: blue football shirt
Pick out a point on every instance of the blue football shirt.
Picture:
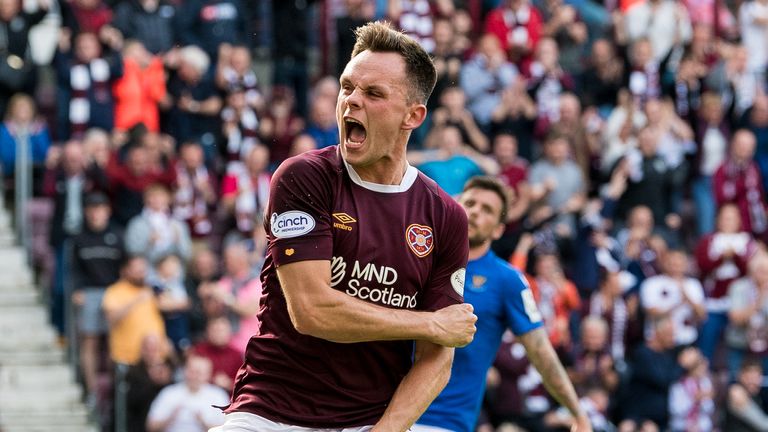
(502, 299)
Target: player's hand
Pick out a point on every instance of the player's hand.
(455, 325)
(581, 424)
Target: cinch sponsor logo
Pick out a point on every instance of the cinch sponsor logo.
(292, 223)
(362, 274)
(343, 219)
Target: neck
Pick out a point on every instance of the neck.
(384, 172)
(478, 251)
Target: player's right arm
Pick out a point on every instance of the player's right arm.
(545, 360)
(318, 310)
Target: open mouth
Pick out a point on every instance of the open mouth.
(354, 131)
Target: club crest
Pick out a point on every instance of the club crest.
(420, 239)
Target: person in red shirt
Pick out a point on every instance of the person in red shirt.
(216, 347)
(518, 25)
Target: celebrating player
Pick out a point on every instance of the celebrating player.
(365, 256)
(502, 299)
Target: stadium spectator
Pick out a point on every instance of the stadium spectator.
(67, 180)
(415, 18)
(753, 17)
(738, 180)
(518, 26)
(757, 122)
(602, 78)
(235, 296)
(195, 196)
(152, 373)
(592, 363)
(691, 400)
(97, 146)
(453, 162)
(557, 298)
(643, 74)
(140, 90)
(747, 331)
(193, 103)
(619, 134)
(546, 82)
(280, 125)
(129, 179)
(97, 253)
(154, 233)
(21, 123)
(664, 22)
(301, 144)
(245, 191)
(15, 24)
(563, 24)
(131, 311)
(240, 128)
(733, 81)
(147, 21)
(234, 73)
(86, 16)
(321, 124)
(357, 13)
(290, 27)
(722, 256)
(453, 112)
(172, 300)
(712, 136)
(208, 24)
(516, 115)
(85, 75)
(642, 244)
(581, 130)
(558, 185)
(203, 269)
(216, 347)
(447, 57)
(744, 411)
(651, 182)
(676, 295)
(618, 312)
(655, 367)
(485, 76)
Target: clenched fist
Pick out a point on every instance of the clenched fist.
(454, 325)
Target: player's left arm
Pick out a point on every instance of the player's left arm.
(428, 375)
(544, 359)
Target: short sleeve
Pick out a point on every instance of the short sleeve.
(446, 283)
(520, 308)
(298, 221)
(111, 300)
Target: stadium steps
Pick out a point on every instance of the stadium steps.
(38, 390)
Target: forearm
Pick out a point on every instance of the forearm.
(544, 359)
(426, 379)
(752, 415)
(344, 319)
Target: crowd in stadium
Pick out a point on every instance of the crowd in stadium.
(633, 136)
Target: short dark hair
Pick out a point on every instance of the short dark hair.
(379, 36)
(494, 185)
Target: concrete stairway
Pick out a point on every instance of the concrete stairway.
(38, 392)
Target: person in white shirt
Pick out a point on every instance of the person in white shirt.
(753, 16)
(188, 406)
(677, 295)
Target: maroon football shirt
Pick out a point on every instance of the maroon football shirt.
(399, 246)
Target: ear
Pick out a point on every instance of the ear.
(415, 117)
(498, 231)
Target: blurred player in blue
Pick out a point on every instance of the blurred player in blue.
(501, 299)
